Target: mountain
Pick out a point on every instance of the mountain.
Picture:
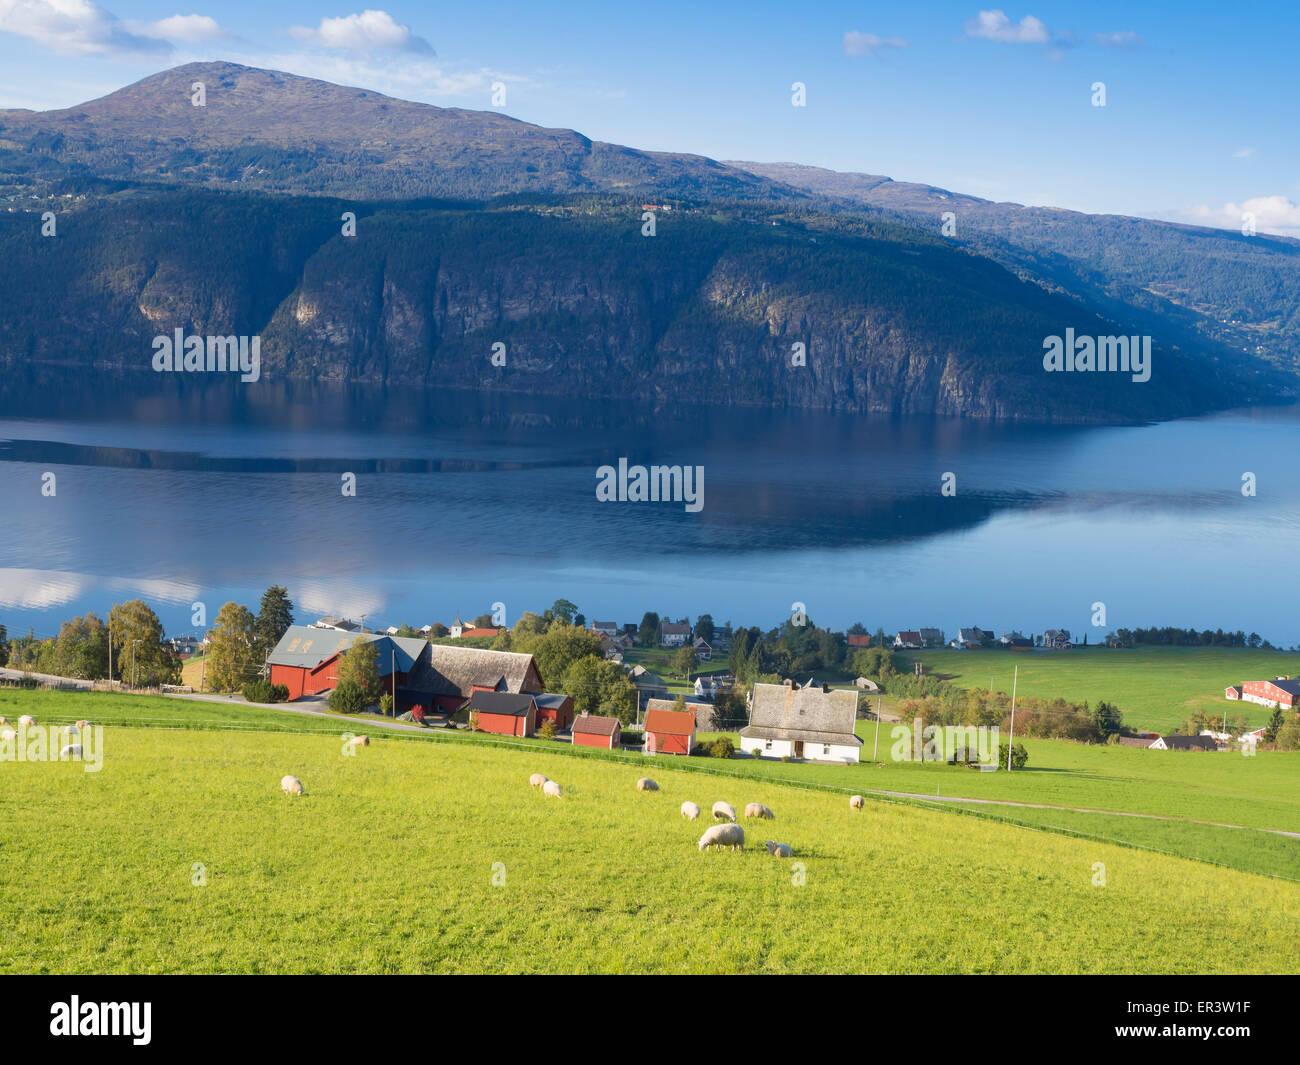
(475, 229)
(274, 132)
(1214, 285)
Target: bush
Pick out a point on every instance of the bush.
(417, 714)
(348, 698)
(279, 693)
(386, 705)
(548, 730)
(1019, 756)
(722, 747)
(259, 691)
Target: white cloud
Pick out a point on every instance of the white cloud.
(186, 29)
(1120, 39)
(422, 80)
(1243, 153)
(857, 43)
(1273, 214)
(370, 31)
(995, 26)
(72, 27)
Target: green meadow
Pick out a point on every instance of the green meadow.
(183, 855)
(1157, 688)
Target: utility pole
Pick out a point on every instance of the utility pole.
(1015, 677)
(880, 705)
(110, 658)
(394, 682)
(133, 643)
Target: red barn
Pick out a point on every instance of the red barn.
(590, 730)
(447, 675)
(306, 659)
(504, 713)
(668, 731)
(1281, 692)
(856, 640)
(553, 707)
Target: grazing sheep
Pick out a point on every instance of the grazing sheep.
(856, 802)
(8, 734)
(83, 724)
(27, 721)
(3, 720)
(723, 810)
(646, 784)
(291, 786)
(778, 850)
(757, 809)
(71, 730)
(732, 836)
(690, 811)
(360, 741)
(552, 789)
(538, 779)
(72, 750)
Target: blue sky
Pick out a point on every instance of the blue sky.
(1199, 122)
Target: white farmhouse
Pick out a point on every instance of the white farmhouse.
(808, 723)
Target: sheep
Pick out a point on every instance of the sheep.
(757, 809)
(646, 784)
(83, 724)
(291, 785)
(856, 802)
(552, 789)
(537, 780)
(778, 850)
(732, 836)
(723, 811)
(72, 750)
(8, 735)
(3, 720)
(27, 721)
(359, 741)
(690, 811)
(71, 730)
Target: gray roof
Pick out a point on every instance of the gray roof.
(675, 628)
(809, 714)
(501, 703)
(595, 725)
(308, 647)
(449, 670)
(547, 700)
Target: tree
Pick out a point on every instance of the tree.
(729, 710)
(4, 646)
(561, 646)
(1274, 725)
(406, 631)
(438, 630)
(274, 616)
(360, 665)
(600, 687)
(484, 621)
(1107, 720)
(705, 628)
(141, 654)
(348, 698)
(647, 634)
(562, 608)
(82, 649)
(685, 660)
(529, 624)
(233, 655)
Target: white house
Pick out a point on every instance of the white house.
(808, 723)
(675, 633)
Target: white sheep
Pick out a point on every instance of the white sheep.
(291, 785)
(3, 720)
(72, 750)
(856, 802)
(646, 784)
(27, 721)
(83, 724)
(359, 741)
(538, 779)
(552, 789)
(8, 735)
(732, 836)
(778, 850)
(71, 730)
(723, 810)
(690, 811)
(757, 809)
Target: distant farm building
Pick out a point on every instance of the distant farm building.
(1232, 692)
(909, 641)
(306, 659)
(591, 730)
(1057, 639)
(668, 731)
(554, 708)
(675, 633)
(1281, 692)
(786, 721)
(859, 640)
(1184, 743)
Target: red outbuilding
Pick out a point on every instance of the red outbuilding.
(669, 731)
(591, 730)
(504, 714)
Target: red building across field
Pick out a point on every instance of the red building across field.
(504, 714)
(553, 707)
(668, 731)
(590, 730)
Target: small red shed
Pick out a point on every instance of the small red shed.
(669, 731)
(591, 730)
(504, 714)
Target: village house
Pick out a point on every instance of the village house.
(606, 628)
(592, 730)
(1016, 642)
(339, 624)
(807, 723)
(447, 675)
(931, 637)
(908, 641)
(1232, 692)
(706, 687)
(703, 650)
(1057, 639)
(1184, 743)
(648, 685)
(504, 713)
(668, 731)
(674, 633)
(972, 637)
(857, 640)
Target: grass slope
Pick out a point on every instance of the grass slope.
(1156, 687)
(386, 865)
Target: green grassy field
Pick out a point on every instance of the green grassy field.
(1156, 687)
(386, 865)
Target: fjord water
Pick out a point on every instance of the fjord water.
(177, 492)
